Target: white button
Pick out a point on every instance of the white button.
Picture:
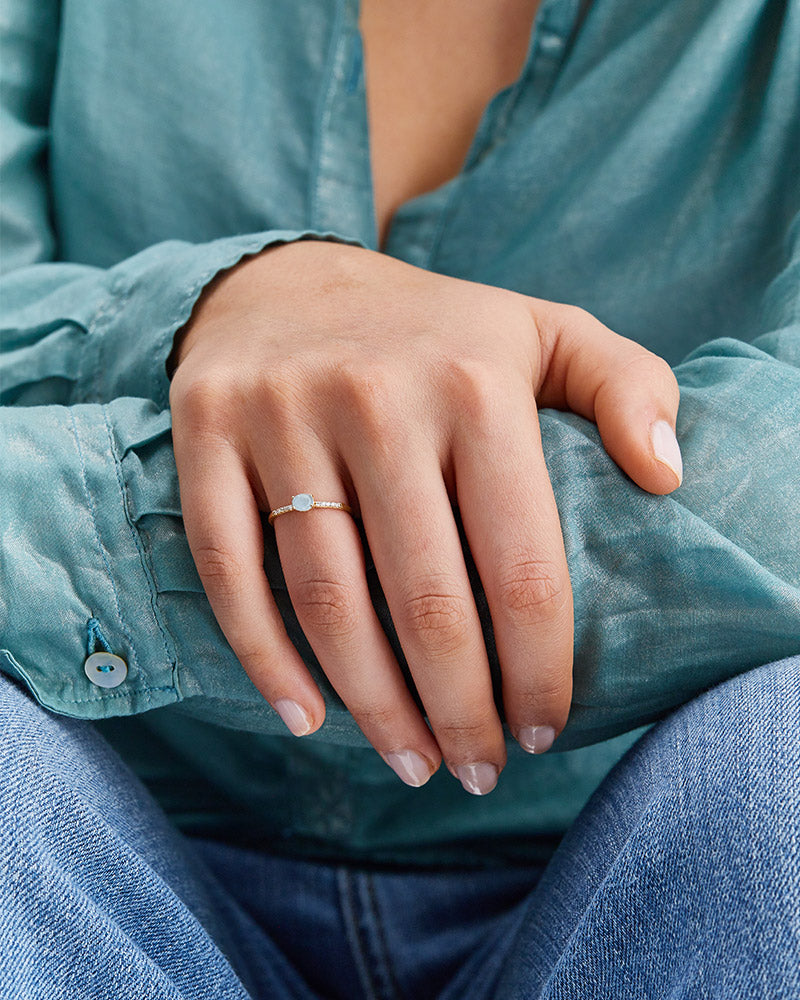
(106, 670)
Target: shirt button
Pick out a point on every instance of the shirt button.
(105, 670)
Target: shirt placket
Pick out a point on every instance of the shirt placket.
(341, 179)
(342, 197)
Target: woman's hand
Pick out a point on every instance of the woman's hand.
(334, 370)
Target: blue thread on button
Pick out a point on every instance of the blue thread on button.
(96, 641)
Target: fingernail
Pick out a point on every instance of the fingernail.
(536, 739)
(478, 779)
(666, 448)
(409, 766)
(297, 720)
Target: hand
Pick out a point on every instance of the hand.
(330, 369)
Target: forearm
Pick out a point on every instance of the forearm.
(672, 594)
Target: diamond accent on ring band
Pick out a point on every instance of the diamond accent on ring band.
(303, 501)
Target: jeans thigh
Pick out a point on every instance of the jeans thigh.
(681, 877)
(100, 895)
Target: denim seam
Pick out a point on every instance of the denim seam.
(350, 911)
(380, 935)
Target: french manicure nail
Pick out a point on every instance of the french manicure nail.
(478, 779)
(536, 739)
(297, 720)
(409, 766)
(666, 448)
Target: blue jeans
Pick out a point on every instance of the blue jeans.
(681, 878)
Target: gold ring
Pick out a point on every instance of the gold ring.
(303, 502)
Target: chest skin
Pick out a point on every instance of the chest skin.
(431, 69)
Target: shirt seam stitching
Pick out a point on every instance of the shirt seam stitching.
(101, 547)
(171, 658)
(322, 116)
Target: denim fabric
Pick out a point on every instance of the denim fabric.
(643, 166)
(681, 879)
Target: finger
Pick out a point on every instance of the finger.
(514, 533)
(630, 393)
(223, 528)
(323, 564)
(414, 542)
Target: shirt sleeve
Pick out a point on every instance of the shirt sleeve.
(672, 594)
(72, 332)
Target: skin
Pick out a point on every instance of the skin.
(423, 109)
(340, 371)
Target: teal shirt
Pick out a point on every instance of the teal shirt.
(645, 165)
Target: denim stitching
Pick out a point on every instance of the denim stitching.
(383, 944)
(355, 938)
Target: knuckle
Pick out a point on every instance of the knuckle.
(376, 717)
(555, 688)
(439, 620)
(280, 403)
(571, 319)
(476, 390)
(531, 590)
(218, 565)
(549, 688)
(201, 402)
(576, 315)
(663, 368)
(369, 397)
(326, 607)
(666, 376)
(645, 368)
(255, 657)
(285, 382)
(473, 732)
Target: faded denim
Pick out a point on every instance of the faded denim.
(680, 879)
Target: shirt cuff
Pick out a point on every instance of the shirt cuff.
(72, 556)
(672, 594)
(149, 298)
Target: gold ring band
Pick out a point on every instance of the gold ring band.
(305, 501)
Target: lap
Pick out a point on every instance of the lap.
(680, 877)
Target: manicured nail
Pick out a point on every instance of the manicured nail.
(666, 448)
(536, 739)
(478, 779)
(409, 766)
(297, 720)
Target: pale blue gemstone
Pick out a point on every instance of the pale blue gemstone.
(303, 501)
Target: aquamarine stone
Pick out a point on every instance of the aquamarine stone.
(303, 501)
